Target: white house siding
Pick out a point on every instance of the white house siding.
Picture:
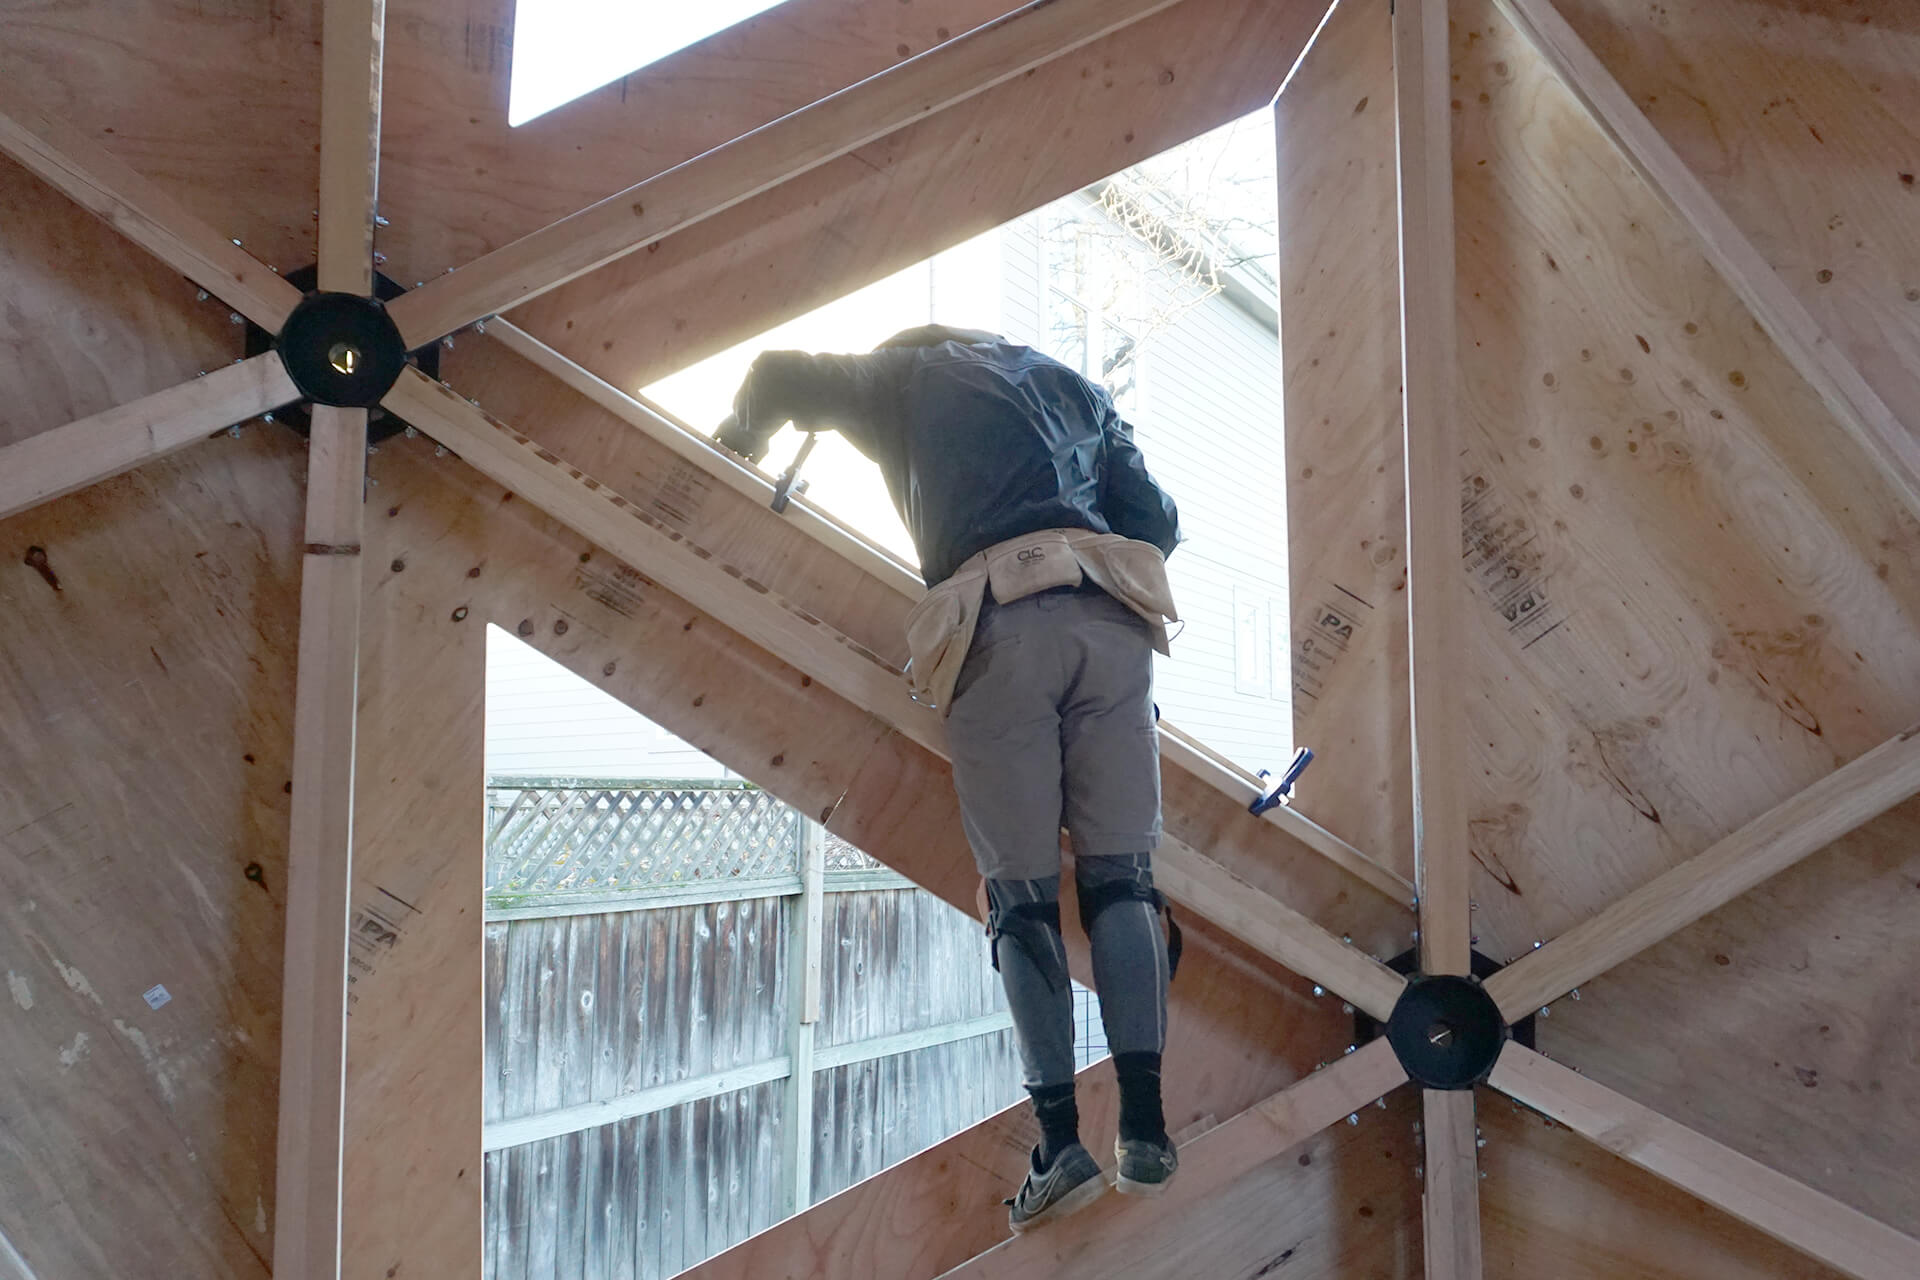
(1208, 421)
(545, 722)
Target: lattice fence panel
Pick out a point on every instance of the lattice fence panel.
(580, 840)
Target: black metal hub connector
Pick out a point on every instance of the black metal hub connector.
(1446, 1030)
(343, 349)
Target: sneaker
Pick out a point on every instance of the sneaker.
(1073, 1182)
(1145, 1167)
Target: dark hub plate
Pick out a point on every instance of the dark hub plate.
(343, 349)
(1447, 1031)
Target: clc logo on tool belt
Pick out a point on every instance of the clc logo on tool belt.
(1027, 555)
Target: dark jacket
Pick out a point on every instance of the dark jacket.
(978, 443)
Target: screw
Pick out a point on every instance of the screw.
(1319, 991)
(379, 258)
(1479, 1142)
(1346, 1008)
(1472, 905)
(273, 268)
(234, 317)
(201, 296)
(267, 417)
(1354, 1119)
(379, 221)
(439, 451)
(480, 326)
(1576, 993)
(410, 433)
(1537, 944)
(1474, 939)
(1419, 1172)
(1380, 1102)
(1350, 1048)
(1545, 1012)
(1483, 1175)
(447, 342)
(1347, 938)
(234, 431)
(236, 242)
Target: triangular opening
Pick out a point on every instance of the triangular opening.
(563, 49)
(1159, 283)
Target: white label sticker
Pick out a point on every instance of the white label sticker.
(156, 997)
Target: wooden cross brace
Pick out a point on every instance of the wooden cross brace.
(83, 452)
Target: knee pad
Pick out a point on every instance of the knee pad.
(1034, 927)
(1097, 898)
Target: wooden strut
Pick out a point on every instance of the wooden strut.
(1789, 1211)
(1790, 831)
(65, 459)
(1101, 1233)
(1861, 411)
(603, 517)
(1176, 746)
(1436, 649)
(313, 1049)
(708, 184)
(144, 214)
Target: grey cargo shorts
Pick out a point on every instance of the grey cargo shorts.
(1052, 725)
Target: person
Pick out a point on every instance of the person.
(1043, 541)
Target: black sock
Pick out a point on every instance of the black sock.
(1140, 1113)
(1059, 1116)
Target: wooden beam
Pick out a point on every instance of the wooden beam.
(1176, 747)
(602, 516)
(140, 211)
(1437, 651)
(1894, 445)
(1209, 1163)
(313, 1050)
(1436, 643)
(647, 211)
(46, 466)
(1845, 799)
(306, 1237)
(1275, 929)
(1791, 1212)
(1450, 1206)
(352, 45)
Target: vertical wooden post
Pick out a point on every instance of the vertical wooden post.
(313, 1046)
(803, 996)
(1436, 645)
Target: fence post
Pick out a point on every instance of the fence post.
(803, 1000)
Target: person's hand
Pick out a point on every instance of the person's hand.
(729, 436)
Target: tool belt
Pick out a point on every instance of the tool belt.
(940, 628)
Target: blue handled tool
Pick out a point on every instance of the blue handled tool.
(1282, 791)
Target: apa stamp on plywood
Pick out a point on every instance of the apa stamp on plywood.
(1331, 627)
(1500, 547)
(377, 926)
(617, 586)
